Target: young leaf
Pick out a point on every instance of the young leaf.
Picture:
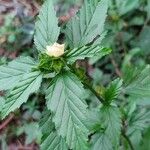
(87, 24)
(111, 120)
(101, 141)
(47, 30)
(50, 140)
(86, 51)
(29, 84)
(64, 99)
(140, 83)
(12, 73)
(113, 90)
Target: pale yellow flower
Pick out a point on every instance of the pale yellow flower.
(55, 50)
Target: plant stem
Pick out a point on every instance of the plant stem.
(94, 92)
(128, 140)
(88, 86)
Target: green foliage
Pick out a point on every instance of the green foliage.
(101, 141)
(140, 83)
(81, 114)
(69, 109)
(112, 91)
(2, 102)
(29, 84)
(87, 24)
(143, 39)
(28, 129)
(125, 6)
(51, 140)
(47, 30)
(11, 74)
(111, 122)
(86, 51)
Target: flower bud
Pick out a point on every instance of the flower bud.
(56, 50)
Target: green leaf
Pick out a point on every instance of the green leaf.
(101, 141)
(50, 140)
(47, 30)
(46, 124)
(103, 52)
(125, 6)
(86, 51)
(113, 90)
(2, 102)
(111, 121)
(143, 40)
(139, 120)
(11, 74)
(64, 99)
(139, 83)
(29, 84)
(34, 129)
(53, 142)
(87, 24)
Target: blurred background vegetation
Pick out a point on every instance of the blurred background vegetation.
(127, 34)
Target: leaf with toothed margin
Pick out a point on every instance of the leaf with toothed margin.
(86, 52)
(101, 141)
(65, 100)
(88, 23)
(138, 82)
(47, 30)
(50, 139)
(29, 84)
(12, 73)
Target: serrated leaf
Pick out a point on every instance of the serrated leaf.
(100, 141)
(84, 52)
(139, 84)
(12, 73)
(111, 120)
(113, 90)
(29, 84)
(51, 140)
(87, 24)
(46, 124)
(47, 30)
(139, 120)
(64, 99)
